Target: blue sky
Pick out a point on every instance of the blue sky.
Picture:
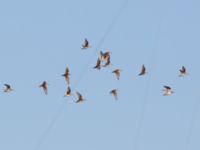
(39, 39)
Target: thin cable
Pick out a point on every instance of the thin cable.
(83, 72)
(47, 131)
(191, 126)
(146, 92)
(109, 29)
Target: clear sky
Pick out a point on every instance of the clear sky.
(40, 38)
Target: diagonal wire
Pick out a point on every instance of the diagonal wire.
(191, 125)
(83, 72)
(108, 30)
(146, 92)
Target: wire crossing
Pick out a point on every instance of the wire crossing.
(83, 72)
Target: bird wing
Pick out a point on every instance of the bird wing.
(167, 87)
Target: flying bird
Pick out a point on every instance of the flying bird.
(104, 56)
(66, 75)
(108, 63)
(44, 85)
(7, 88)
(168, 91)
(183, 72)
(98, 64)
(86, 44)
(117, 73)
(68, 92)
(114, 93)
(80, 97)
(143, 71)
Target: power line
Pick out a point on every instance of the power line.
(191, 125)
(83, 72)
(146, 92)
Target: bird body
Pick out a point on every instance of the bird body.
(183, 72)
(117, 72)
(143, 71)
(66, 75)
(80, 98)
(7, 88)
(86, 44)
(44, 85)
(98, 64)
(168, 91)
(114, 93)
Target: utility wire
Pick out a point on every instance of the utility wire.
(146, 92)
(83, 72)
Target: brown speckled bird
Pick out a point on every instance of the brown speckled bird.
(108, 63)
(80, 97)
(66, 75)
(44, 85)
(143, 71)
(98, 64)
(7, 88)
(114, 93)
(117, 73)
(86, 44)
(105, 56)
(68, 92)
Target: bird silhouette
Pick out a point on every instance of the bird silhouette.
(167, 90)
(114, 93)
(105, 56)
(66, 75)
(108, 62)
(7, 88)
(80, 97)
(183, 72)
(86, 44)
(98, 64)
(143, 71)
(117, 73)
(68, 92)
(44, 85)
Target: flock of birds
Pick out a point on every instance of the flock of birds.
(102, 61)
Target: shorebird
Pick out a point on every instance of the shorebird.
(183, 72)
(80, 97)
(86, 44)
(44, 85)
(98, 64)
(108, 63)
(68, 92)
(117, 73)
(114, 93)
(168, 91)
(104, 56)
(143, 71)
(66, 75)
(7, 88)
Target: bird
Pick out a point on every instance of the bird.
(104, 56)
(114, 93)
(7, 88)
(86, 44)
(68, 92)
(117, 72)
(167, 90)
(98, 64)
(183, 72)
(80, 97)
(44, 85)
(66, 75)
(143, 71)
(108, 62)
